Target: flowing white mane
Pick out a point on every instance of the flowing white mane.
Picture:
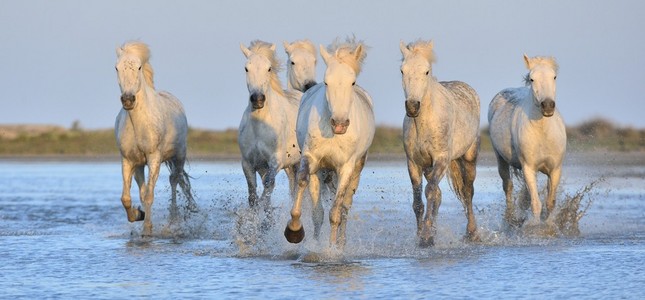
(306, 45)
(547, 61)
(140, 50)
(344, 52)
(265, 49)
(423, 48)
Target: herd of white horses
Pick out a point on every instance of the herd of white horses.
(319, 134)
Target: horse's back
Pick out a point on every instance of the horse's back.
(464, 94)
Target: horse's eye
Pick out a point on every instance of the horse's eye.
(427, 72)
(401, 71)
(531, 79)
(139, 68)
(353, 83)
(325, 82)
(117, 69)
(554, 77)
(269, 69)
(293, 63)
(246, 69)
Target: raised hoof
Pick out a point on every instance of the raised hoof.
(140, 215)
(294, 237)
(426, 242)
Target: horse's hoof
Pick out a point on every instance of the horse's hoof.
(140, 214)
(294, 237)
(426, 242)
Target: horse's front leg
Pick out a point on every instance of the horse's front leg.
(469, 166)
(554, 181)
(349, 198)
(154, 163)
(127, 169)
(295, 232)
(433, 196)
(249, 174)
(530, 178)
(338, 210)
(268, 181)
(414, 171)
(318, 214)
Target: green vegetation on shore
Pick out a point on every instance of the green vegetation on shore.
(31, 140)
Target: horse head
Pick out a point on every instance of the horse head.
(416, 73)
(543, 72)
(133, 71)
(301, 64)
(261, 71)
(343, 66)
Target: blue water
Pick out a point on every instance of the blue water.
(64, 234)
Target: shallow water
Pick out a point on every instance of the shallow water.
(64, 234)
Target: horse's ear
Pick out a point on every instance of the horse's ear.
(358, 52)
(119, 51)
(272, 48)
(324, 54)
(527, 61)
(287, 47)
(245, 50)
(404, 49)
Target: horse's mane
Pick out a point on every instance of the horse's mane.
(548, 61)
(264, 49)
(344, 51)
(306, 45)
(423, 48)
(142, 51)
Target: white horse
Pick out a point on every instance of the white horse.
(301, 65)
(528, 134)
(335, 129)
(440, 134)
(151, 128)
(267, 134)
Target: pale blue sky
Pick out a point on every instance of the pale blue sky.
(57, 57)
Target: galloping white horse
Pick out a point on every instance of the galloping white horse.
(151, 128)
(440, 134)
(267, 134)
(335, 129)
(301, 65)
(528, 134)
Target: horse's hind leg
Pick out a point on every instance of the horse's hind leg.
(469, 167)
(184, 182)
(504, 170)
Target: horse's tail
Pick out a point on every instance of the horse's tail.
(183, 179)
(456, 180)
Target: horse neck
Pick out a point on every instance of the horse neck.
(147, 108)
(433, 97)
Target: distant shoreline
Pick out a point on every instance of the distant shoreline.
(486, 158)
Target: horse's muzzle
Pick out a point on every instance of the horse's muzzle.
(339, 127)
(548, 107)
(257, 100)
(308, 85)
(127, 100)
(412, 108)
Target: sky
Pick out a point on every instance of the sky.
(57, 57)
